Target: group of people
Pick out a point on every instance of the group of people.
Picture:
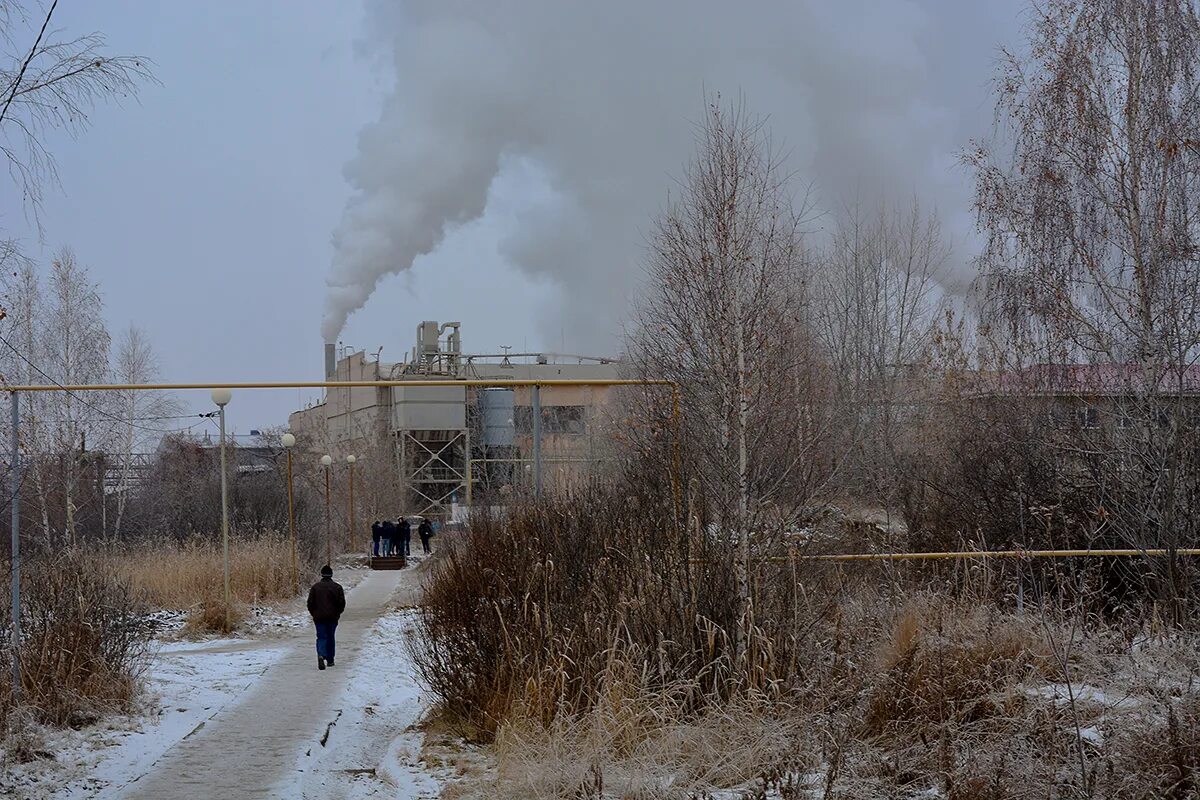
(393, 538)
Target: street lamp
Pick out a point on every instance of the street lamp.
(326, 461)
(289, 441)
(350, 459)
(222, 397)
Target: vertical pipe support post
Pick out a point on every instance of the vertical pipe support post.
(469, 479)
(14, 469)
(537, 441)
(350, 516)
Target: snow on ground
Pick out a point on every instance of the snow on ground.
(373, 749)
(186, 684)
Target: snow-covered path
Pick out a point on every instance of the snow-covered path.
(254, 748)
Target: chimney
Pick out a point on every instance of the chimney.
(330, 361)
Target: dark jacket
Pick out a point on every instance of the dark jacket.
(326, 600)
(376, 531)
(389, 530)
(425, 530)
(404, 529)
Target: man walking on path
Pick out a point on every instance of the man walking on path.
(326, 602)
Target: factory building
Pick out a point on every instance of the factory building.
(440, 448)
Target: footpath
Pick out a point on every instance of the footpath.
(250, 749)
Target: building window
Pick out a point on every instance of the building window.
(556, 420)
(1087, 417)
(569, 420)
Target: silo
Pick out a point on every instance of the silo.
(496, 412)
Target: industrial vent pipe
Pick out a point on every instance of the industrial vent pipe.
(330, 361)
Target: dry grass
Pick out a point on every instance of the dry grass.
(952, 662)
(189, 574)
(920, 694)
(210, 616)
(643, 744)
(83, 641)
(620, 672)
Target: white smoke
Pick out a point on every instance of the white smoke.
(602, 98)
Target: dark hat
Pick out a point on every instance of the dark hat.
(326, 571)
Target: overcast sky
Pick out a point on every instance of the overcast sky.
(510, 155)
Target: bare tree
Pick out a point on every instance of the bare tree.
(140, 411)
(1091, 239)
(51, 83)
(47, 83)
(23, 303)
(876, 308)
(725, 316)
(75, 350)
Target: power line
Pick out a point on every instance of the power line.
(175, 416)
(92, 406)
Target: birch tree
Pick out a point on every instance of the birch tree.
(1091, 213)
(139, 412)
(75, 350)
(24, 310)
(724, 316)
(49, 82)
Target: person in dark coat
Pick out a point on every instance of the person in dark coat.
(425, 531)
(404, 532)
(386, 537)
(326, 602)
(376, 534)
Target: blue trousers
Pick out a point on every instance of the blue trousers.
(325, 642)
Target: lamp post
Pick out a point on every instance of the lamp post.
(14, 468)
(222, 397)
(350, 461)
(326, 461)
(289, 441)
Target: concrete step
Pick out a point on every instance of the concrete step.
(387, 562)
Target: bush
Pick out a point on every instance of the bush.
(533, 607)
(84, 635)
(946, 663)
(210, 616)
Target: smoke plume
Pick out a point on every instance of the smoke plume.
(601, 100)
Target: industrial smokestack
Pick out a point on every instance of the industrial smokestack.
(330, 361)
